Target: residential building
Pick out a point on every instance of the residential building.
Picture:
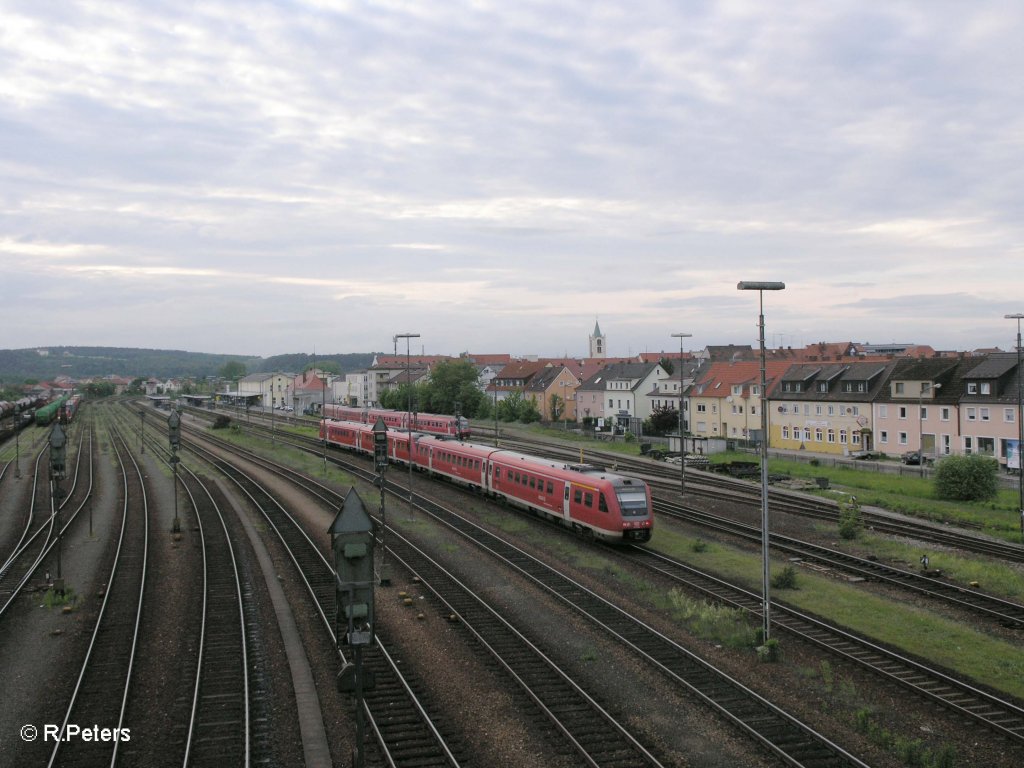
(725, 399)
(619, 392)
(989, 405)
(826, 407)
(553, 380)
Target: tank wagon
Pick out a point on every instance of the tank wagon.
(49, 412)
(595, 503)
(435, 424)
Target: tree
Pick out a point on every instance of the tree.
(967, 478)
(557, 407)
(453, 381)
(662, 419)
(668, 365)
(232, 370)
(324, 366)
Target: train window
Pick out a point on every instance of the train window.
(588, 499)
(516, 478)
(524, 481)
(577, 496)
(601, 503)
(567, 493)
(497, 473)
(533, 482)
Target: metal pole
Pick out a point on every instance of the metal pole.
(17, 451)
(1020, 423)
(920, 427)
(765, 559)
(766, 602)
(408, 413)
(142, 431)
(682, 431)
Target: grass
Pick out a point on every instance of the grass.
(994, 578)
(919, 632)
(904, 494)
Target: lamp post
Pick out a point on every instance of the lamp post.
(1020, 422)
(408, 414)
(766, 602)
(925, 387)
(682, 424)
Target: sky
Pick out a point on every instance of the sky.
(259, 178)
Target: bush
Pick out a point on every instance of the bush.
(850, 520)
(785, 579)
(967, 478)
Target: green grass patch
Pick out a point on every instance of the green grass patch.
(919, 632)
(906, 494)
(729, 627)
(992, 577)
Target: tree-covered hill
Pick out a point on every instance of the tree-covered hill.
(44, 363)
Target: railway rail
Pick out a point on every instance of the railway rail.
(1006, 612)
(101, 692)
(42, 531)
(778, 732)
(405, 728)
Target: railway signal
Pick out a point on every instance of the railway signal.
(58, 453)
(174, 436)
(352, 541)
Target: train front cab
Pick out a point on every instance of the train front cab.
(634, 498)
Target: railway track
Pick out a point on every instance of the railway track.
(711, 485)
(999, 715)
(101, 692)
(1006, 612)
(775, 730)
(42, 529)
(402, 722)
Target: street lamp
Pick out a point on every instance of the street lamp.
(408, 414)
(766, 601)
(1020, 421)
(925, 387)
(682, 438)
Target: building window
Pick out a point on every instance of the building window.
(819, 436)
(986, 388)
(903, 412)
(924, 412)
(1008, 415)
(785, 433)
(883, 412)
(817, 410)
(972, 388)
(903, 438)
(831, 410)
(899, 387)
(807, 434)
(971, 414)
(944, 414)
(831, 435)
(983, 412)
(987, 446)
(968, 446)
(842, 436)
(883, 436)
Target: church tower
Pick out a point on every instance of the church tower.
(597, 342)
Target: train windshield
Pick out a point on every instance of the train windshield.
(632, 501)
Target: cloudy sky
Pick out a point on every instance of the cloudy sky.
(267, 177)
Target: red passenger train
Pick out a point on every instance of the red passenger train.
(433, 423)
(587, 499)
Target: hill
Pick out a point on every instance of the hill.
(43, 363)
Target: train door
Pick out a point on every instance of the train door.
(566, 514)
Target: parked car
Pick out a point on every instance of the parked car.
(864, 455)
(915, 458)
